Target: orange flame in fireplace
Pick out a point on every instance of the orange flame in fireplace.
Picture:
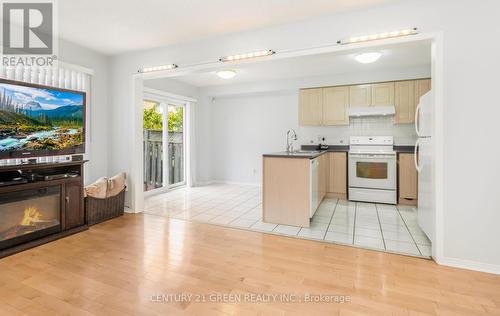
(31, 214)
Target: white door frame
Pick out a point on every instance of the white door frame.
(437, 85)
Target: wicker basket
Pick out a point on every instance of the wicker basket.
(100, 210)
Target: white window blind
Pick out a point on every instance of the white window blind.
(61, 77)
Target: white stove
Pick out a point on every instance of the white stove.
(372, 169)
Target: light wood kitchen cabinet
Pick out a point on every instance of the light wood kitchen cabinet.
(404, 101)
(286, 191)
(407, 96)
(330, 105)
(337, 174)
(422, 86)
(311, 106)
(408, 180)
(336, 106)
(382, 94)
(323, 169)
(360, 95)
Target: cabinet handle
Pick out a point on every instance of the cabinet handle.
(67, 199)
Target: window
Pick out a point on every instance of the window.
(371, 170)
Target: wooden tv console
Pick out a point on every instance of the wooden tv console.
(70, 208)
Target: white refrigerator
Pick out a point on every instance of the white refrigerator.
(424, 163)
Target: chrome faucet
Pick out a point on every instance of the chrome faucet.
(289, 144)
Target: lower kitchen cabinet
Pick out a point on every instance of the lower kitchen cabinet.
(293, 188)
(408, 180)
(286, 188)
(337, 175)
(323, 175)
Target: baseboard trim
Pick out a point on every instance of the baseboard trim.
(332, 195)
(470, 265)
(129, 210)
(203, 183)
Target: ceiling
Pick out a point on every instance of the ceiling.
(405, 55)
(117, 26)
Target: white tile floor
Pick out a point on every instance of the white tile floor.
(366, 225)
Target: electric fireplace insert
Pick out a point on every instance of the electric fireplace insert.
(29, 214)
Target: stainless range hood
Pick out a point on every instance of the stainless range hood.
(360, 111)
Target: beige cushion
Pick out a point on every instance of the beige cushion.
(97, 189)
(116, 184)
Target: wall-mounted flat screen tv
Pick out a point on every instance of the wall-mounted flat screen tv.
(38, 120)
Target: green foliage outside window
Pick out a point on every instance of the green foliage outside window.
(154, 120)
(175, 119)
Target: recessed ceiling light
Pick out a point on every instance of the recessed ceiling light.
(226, 73)
(367, 58)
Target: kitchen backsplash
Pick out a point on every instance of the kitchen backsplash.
(404, 134)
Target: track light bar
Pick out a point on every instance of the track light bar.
(256, 54)
(378, 36)
(158, 68)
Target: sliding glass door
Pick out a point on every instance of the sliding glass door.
(153, 122)
(176, 145)
(164, 145)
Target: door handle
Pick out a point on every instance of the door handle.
(417, 112)
(67, 199)
(415, 156)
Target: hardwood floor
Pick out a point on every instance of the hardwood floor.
(124, 266)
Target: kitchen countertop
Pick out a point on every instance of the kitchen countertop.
(404, 148)
(312, 151)
(303, 155)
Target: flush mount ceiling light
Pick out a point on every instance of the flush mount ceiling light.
(226, 73)
(367, 58)
(378, 36)
(158, 68)
(256, 54)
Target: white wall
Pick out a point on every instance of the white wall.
(471, 199)
(248, 120)
(173, 86)
(243, 128)
(100, 130)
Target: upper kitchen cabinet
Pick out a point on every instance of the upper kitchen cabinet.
(311, 106)
(382, 94)
(407, 96)
(422, 86)
(330, 105)
(336, 106)
(360, 95)
(404, 101)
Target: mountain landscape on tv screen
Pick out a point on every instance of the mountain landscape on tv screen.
(39, 119)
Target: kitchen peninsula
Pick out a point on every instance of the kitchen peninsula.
(295, 183)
